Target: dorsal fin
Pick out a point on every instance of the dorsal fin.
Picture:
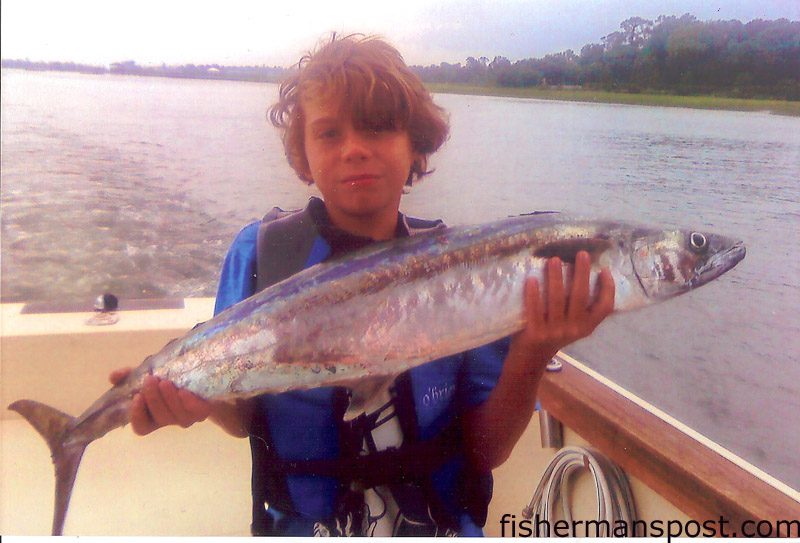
(567, 249)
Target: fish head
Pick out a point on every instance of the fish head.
(670, 262)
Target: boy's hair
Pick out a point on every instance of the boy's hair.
(376, 89)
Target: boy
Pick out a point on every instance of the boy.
(358, 124)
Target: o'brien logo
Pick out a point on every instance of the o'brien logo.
(436, 394)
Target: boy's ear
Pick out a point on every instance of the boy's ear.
(419, 163)
(305, 172)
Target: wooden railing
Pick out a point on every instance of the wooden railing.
(696, 475)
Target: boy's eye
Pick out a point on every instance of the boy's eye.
(328, 134)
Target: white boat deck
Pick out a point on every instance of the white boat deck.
(173, 482)
(178, 482)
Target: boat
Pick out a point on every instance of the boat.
(196, 482)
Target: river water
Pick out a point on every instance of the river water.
(137, 185)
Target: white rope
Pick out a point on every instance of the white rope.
(613, 493)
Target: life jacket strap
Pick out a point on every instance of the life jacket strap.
(408, 463)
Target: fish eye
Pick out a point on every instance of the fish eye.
(698, 241)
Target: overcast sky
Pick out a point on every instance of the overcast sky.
(258, 32)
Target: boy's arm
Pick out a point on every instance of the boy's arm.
(492, 429)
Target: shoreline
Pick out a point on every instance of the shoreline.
(776, 107)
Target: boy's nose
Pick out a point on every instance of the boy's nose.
(355, 146)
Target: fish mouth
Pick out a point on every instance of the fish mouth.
(719, 263)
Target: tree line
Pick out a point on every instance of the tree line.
(679, 55)
(269, 74)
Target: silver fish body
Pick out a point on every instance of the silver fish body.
(386, 309)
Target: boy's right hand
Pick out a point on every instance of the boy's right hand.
(159, 403)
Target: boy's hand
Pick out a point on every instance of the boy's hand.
(160, 403)
(492, 429)
(560, 319)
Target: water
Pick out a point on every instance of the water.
(137, 186)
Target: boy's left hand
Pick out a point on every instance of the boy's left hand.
(493, 428)
(562, 319)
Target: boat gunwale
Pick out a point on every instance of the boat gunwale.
(694, 473)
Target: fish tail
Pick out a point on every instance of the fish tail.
(55, 426)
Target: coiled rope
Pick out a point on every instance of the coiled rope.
(614, 498)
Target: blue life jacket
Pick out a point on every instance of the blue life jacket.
(299, 475)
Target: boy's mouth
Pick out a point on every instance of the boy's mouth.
(360, 180)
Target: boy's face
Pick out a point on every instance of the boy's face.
(360, 172)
